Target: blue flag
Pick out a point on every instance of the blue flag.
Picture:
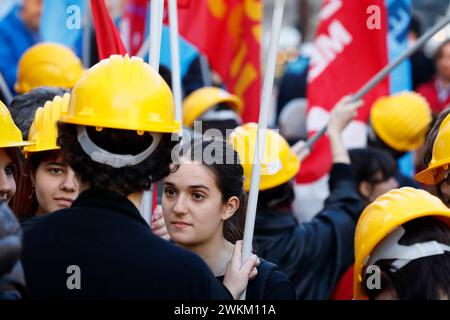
(399, 12)
(62, 22)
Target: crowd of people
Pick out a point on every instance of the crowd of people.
(81, 148)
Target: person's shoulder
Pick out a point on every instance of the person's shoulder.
(271, 283)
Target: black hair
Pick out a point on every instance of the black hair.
(275, 198)
(126, 180)
(426, 278)
(23, 107)
(229, 177)
(367, 162)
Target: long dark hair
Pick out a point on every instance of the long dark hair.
(229, 177)
(26, 203)
(13, 153)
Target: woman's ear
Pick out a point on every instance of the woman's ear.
(365, 189)
(230, 207)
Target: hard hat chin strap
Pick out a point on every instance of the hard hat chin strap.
(390, 248)
(102, 156)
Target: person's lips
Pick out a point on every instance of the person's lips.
(64, 201)
(181, 225)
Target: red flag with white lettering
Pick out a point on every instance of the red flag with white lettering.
(350, 47)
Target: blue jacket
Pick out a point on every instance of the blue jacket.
(15, 39)
(314, 255)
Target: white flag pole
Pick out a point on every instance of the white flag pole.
(156, 20)
(175, 59)
(262, 128)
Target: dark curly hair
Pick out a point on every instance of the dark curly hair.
(123, 181)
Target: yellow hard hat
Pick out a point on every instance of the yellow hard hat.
(43, 131)
(201, 100)
(382, 217)
(122, 93)
(440, 160)
(48, 64)
(10, 135)
(402, 120)
(279, 165)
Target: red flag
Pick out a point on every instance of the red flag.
(229, 34)
(350, 47)
(108, 38)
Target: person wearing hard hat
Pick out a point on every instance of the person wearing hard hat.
(19, 30)
(50, 184)
(48, 64)
(204, 206)
(12, 283)
(399, 124)
(402, 248)
(314, 254)
(116, 134)
(10, 142)
(437, 90)
(437, 158)
(374, 171)
(214, 108)
(23, 107)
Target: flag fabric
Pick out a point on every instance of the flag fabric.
(228, 33)
(350, 47)
(62, 22)
(133, 24)
(399, 18)
(108, 38)
(399, 15)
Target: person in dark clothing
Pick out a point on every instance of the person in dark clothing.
(12, 283)
(116, 135)
(402, 248)
(293, 83)
(24, 106)
(374, 171)
(399, 124)
(204, 205)
(315, 254)
(48, 183)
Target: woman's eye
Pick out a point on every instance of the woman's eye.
(9, 170)
(169, 192)
(198, 196)
(55, 171)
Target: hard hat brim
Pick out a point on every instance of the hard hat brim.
(430, 175)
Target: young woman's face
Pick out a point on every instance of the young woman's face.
(372, 190)
(56, 186)
(192, 205)
(7, 182)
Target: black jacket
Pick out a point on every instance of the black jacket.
(314, 255)
(269, 284)
(118, 257)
